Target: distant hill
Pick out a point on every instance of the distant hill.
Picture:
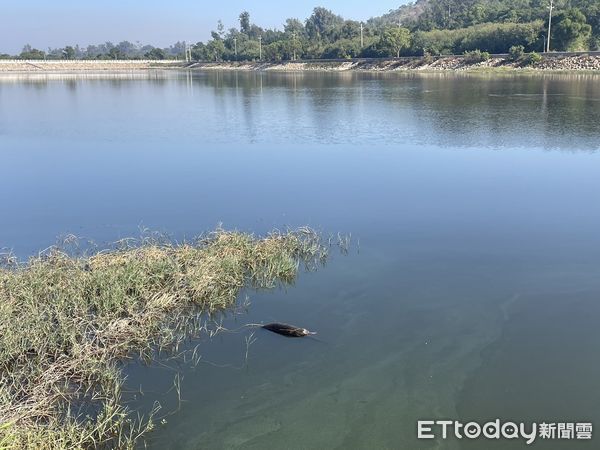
(427, 15)
(405, 14)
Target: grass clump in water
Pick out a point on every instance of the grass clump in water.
(67, 324)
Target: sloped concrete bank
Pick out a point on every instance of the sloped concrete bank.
(452, 63)
(558, 62)
(15, 65)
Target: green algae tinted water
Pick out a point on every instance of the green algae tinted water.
(472, 290)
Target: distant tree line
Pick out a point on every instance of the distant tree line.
(105, 51)
(426, 27)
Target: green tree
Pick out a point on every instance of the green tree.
(69, 52)
(215, 49)
(592, 15)
(129, 49)
(115, 53)
(200, 52)
(435, 42)
(294, 26)
(350, 29)
(343, 48)
(31, 53)
(395, 39)
(323, 24)
(571, 31)
(275, 51)
(294, 46)
(245, 22)
(156, 53)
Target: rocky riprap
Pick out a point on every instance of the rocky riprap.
(450, 63)
(444, 63)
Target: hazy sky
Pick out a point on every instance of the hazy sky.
(57, 23)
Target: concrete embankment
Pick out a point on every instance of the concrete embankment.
(555, 62)
(15, 65)
(580, 62)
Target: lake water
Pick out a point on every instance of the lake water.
(471, 290)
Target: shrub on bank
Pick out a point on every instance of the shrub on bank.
(516, 52)
(476, 56)
(531, 59)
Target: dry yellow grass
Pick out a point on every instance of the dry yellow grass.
(67, 323)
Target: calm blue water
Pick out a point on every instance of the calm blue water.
(471, 290)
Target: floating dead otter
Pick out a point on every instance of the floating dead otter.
(287, 330)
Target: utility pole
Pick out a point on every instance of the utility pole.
(544, 44)
(235, 46)
(294, 45)
(549, 24)
(362, 42)
(259, 48)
